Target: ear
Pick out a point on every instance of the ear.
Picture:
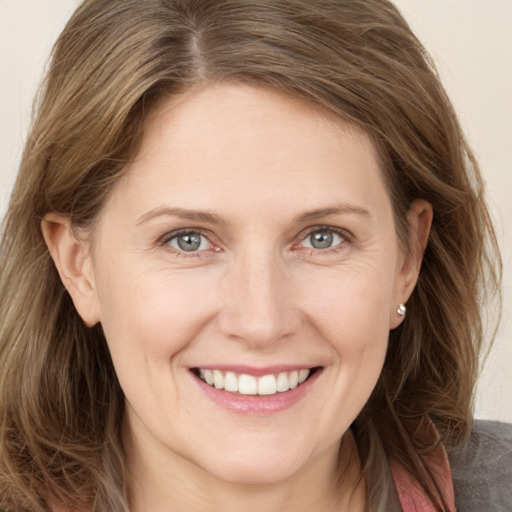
(74, 264)
(419, 217)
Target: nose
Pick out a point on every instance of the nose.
(258, 295)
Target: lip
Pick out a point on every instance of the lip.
(257, 405)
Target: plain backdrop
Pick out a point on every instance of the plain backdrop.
(471, 42)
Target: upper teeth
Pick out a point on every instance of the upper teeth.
(249, 385)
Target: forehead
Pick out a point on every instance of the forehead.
(259, 110)
(223, 145)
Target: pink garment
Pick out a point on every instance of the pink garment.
(410, 493)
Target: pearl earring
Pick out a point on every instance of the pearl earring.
(400, 310)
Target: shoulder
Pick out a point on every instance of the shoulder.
(482, 469)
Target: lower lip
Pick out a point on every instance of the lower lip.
(258, 405)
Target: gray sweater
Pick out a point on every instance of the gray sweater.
(481, 471)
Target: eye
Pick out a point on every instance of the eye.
(323, 238)
(188, 241)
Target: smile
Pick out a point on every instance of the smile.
(245, 384)
(256, 391)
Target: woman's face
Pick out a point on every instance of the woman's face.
(251, 243)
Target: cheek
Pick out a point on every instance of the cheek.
(351, 306)
(350, 311)
(152, 315)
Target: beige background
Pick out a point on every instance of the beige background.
(471, 41)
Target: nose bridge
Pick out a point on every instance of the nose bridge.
(258, 302)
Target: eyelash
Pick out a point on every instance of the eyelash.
(343, 234)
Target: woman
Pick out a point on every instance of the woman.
(243, 265)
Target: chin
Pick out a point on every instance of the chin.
(260, 463)
(255, 472)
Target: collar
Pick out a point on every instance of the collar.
(412, 496)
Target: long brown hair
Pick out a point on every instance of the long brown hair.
(60, 402)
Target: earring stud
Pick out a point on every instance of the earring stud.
(400, 310)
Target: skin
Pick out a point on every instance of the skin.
(255, 293)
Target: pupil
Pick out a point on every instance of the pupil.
(189, 242)
(321, 239)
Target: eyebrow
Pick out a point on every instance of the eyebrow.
(183, 213)
(335, 210)
(212, 218)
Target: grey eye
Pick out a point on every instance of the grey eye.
(189, 242)
(322, 239)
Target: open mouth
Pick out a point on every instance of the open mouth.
(245, 384)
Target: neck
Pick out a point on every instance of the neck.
(163, 482)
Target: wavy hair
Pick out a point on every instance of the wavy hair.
(61, 405)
